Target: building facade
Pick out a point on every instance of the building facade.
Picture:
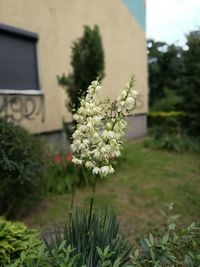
(35, 46)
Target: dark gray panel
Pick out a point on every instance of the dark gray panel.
(18, 31)
(18, 61)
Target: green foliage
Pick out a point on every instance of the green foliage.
(167, 133)
(165, 68)
(190, 86)
(39, 258)
(168, 102)
(63, 176)
(174, 79)
(106, 256)
(87, 61)
(88, 240)
(21, 169)
(173, 247)
(61, 256)
(170, 246)
(85, 232)
(175, 143)
(166, 121)
(16, 240)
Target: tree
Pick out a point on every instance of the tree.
(174, 79)
(190, 83)
(165, 67)
(87, 63)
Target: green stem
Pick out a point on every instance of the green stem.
(72, 203)
(92, 199)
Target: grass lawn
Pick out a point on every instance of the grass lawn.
(143, 184)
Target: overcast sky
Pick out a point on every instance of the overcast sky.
(170, 20)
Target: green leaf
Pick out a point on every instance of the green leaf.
(117, 262)
(145, 244)
(152, 256)
(191, 227)
(23, 256)
(151, 239)
(188, 261)
(62, 245)
(172, 226)
(106, 263)
(15, 264)
(106, 250)
(175, 238)
(165, 239)
(100, 252)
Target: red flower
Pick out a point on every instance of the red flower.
(57, 159)
(68, 157)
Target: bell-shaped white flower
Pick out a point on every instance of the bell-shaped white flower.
(96, 170)
(98, 137)
(77, 161)
(89, 164)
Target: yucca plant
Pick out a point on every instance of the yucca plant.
(85, 232)
(97, 140)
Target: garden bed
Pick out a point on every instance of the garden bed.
(144, 182)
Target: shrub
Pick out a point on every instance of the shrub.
(190, 83)
(167, 133)
(61, 174)
(169, 122)
(87, 61)
(21, 169)
(173, 247)
(175, 143)
(62, 257)
(15, 239)
(64, 176)
(42, 258)
(106, 258)
(85, 232)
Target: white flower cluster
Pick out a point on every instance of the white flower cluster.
(98, 137)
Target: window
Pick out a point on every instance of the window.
(18, 60)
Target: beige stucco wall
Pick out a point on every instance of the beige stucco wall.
(59, 23)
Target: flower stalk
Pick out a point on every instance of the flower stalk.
(100, 129)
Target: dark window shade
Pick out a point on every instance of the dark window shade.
(18, 61)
